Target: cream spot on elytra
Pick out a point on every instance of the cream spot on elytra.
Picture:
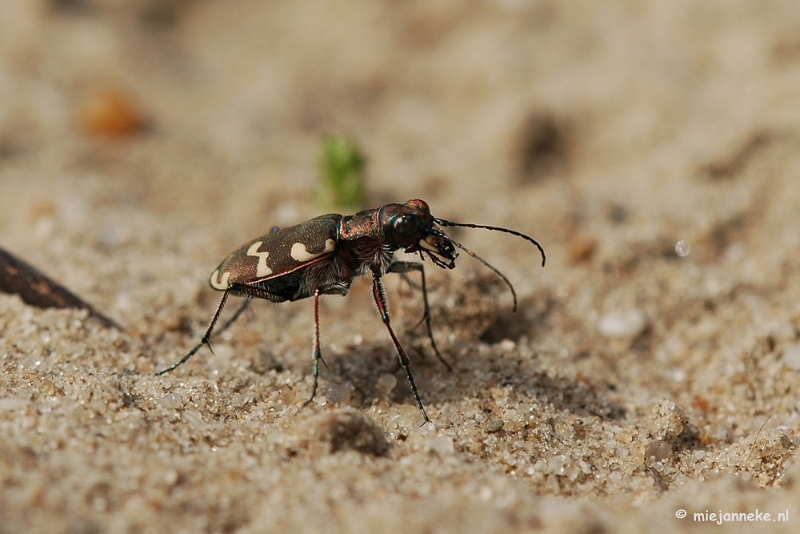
(262, 269)
(300, 252)
(220, 282)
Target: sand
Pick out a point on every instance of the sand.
(651, 370)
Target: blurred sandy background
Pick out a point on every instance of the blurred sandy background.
(653, 366)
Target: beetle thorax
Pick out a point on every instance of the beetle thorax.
(361, 238)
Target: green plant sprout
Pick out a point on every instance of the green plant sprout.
(341, 169)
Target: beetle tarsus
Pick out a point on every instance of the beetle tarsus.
(182, 360)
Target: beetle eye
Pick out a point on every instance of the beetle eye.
(406, 225)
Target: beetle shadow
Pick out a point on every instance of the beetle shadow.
(359, 375)
(362, 371)
(528, 321)
(532, 378)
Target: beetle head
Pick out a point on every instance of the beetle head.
(411, 227)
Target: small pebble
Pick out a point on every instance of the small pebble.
(171, 477)
(495, 425)
(624, 324)
(683, 248)
(581, 249)
(110, 113)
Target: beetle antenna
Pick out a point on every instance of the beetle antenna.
(486, 263)
(442, 222)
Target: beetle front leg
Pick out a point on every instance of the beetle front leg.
(380, 301)
(403, 267)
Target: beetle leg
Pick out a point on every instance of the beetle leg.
(206, 338)
(380, 301)
(403, 267)
(317, 351)
(249, 292)
(337, 288)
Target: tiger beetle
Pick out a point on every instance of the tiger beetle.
(324, 255)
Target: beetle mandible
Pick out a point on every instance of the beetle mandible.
(323, 256)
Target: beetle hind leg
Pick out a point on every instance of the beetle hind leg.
(240, 290)
(206, 337)
(235, 316)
